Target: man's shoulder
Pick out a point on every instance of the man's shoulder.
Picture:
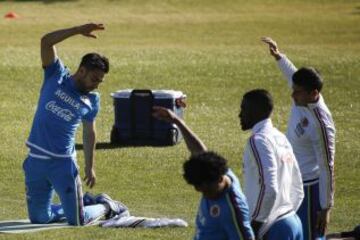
(263, 138)
(277, 134)
(234, 193)
(56, 72)
(320, 105)
(94, 97)
(321, 113)
(94, 94)
(269, 141)
(56, 64)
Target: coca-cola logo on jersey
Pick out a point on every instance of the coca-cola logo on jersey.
(63, 113)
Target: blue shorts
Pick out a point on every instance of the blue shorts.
(42, 177)
(308, 212)
(288, 228)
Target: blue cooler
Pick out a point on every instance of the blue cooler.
(134, 124)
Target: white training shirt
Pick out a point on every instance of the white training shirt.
(273, 184)
(311, 132)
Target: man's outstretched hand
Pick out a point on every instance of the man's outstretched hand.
(87, 29)
(274, 50)
(164, 114)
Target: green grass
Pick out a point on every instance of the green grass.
(208, 49)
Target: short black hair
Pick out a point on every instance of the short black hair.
(204, 168)
(308, 78)
(261, 101)
(92, 61)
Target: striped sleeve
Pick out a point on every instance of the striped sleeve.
(267, 167)
(237, 226)
(324, 147)
(287, 68)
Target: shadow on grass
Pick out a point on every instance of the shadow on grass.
(43, 1)
(356, 10)
(109, 145)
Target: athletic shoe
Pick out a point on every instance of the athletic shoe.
(89, 199)
(116, 207)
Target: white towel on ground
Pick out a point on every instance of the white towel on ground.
(144, 222)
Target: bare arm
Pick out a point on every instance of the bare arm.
(89, 142)
(193, 142)
(48, 41)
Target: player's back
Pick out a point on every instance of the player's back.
(284, 191)
(226, 218)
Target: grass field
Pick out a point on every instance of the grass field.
(210, 50)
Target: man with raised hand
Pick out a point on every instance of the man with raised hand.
(223, 213)
(311, 132)
(65, 100)
(273, 184)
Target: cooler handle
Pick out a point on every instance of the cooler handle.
(137, 94)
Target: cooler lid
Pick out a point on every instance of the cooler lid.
(158, 94)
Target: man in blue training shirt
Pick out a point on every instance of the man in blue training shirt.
(223, 212)
(65, 100)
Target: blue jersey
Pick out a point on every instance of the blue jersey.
(226, 218)
(60, 110)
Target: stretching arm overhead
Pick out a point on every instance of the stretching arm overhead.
(48, 41)
(193, 142)
(286, 66)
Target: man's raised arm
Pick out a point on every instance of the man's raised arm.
(193, 142)
(286, 66)
(48, 41)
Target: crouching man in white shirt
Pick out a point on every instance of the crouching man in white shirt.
(273, 184)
